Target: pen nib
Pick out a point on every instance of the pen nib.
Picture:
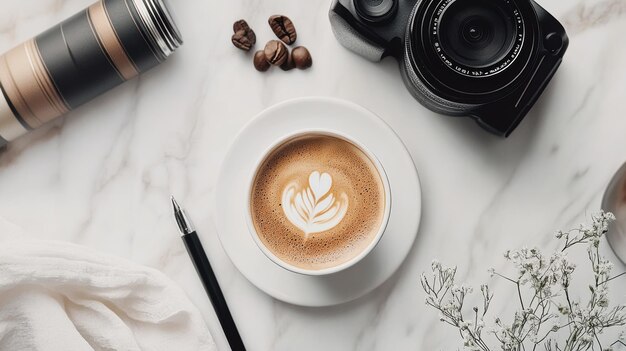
(175, 204)
(184, 224)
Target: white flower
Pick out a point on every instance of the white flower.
(564, 310)
(586, 338)
(605, 267)
(546, 279)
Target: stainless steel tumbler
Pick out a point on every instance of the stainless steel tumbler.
(614, 200)
(86, 55)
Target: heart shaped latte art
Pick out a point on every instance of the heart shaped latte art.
(314, 209)
(320, 184)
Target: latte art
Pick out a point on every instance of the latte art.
(317, 201)
(314, 209)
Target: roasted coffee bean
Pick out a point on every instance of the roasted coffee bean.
(288, 65)
(276, 52)
(283, 28)
(301, 57)
(244, 37)
(241, 25)
(260, 62)
(241, 41)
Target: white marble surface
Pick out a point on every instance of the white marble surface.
(102, 176)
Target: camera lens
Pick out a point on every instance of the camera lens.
(471, 39)
(476, 33)
(375, 11)
(489, 59)
(470, 50)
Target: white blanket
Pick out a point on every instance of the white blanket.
(59, 296)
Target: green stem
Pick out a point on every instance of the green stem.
(612, 278)
(519, 294)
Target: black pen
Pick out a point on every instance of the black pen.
(203, 267)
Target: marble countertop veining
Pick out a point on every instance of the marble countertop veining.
(102, 176)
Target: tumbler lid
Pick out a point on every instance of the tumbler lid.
(158, 19)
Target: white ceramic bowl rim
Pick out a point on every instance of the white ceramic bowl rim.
(362, 254)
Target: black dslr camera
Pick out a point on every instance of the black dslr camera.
(488, 59)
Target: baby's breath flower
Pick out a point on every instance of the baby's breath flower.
(586, 338)
(564, 310)
(547, 309)
(435, 265)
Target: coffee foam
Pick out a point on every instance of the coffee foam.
(346, 201)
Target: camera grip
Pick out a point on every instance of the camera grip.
(346, 30)
(505, 115)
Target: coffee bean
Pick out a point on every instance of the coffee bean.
(301, 57)
(276, 52)
(241, 25)
(244, 37)
(260, 62)
(283, 28)
(288, 65)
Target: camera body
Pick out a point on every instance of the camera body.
(487, 59)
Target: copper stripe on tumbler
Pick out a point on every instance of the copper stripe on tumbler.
(28, 86)
(110, 41)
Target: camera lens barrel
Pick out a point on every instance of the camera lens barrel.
(470, 50)
(376, 11)
(477, 36)
(108, 43)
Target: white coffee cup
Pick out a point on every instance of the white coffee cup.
(367, 250)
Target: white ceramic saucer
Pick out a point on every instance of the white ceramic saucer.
(232, 187)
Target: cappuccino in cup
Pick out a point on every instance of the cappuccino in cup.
(318, 203)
